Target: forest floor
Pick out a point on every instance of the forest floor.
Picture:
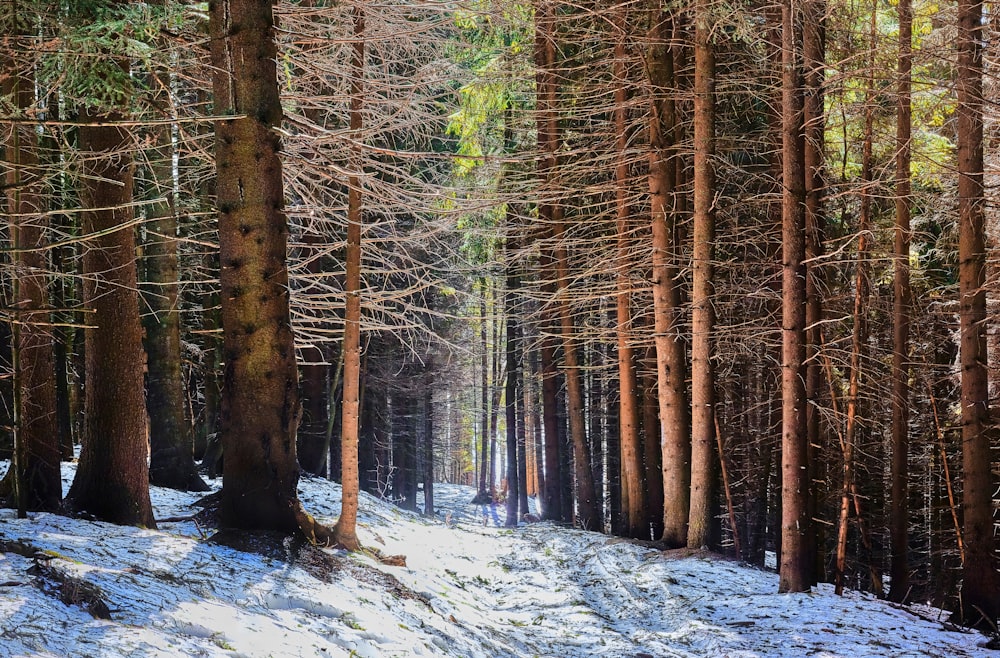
(70, 587)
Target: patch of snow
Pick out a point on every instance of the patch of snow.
(470, 589)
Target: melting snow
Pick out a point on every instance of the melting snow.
(469, 589)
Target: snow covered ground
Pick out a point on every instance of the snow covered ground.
(470, 588)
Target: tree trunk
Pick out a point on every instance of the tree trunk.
(795, 567)
(171, 440)
(980, 597)
(112, 479)
(260, 399)
(899, 509)
(633, 491)
(345, 530)
(702, 310)
(814, 129)
(671, 373)
(36, 477)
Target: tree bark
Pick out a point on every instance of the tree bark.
(795, 565)
(345, 530)
(112, 479)
(633, 491)
(980, 596)
(171, 440)
(702, 289)
(260, 399)
(899, 571)
(36, 475)
(671, 372)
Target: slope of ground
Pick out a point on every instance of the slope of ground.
(470, 588)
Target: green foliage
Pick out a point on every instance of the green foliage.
(104, 50)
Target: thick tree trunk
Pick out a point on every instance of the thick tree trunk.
(702, 309)
(899, 571)
(671, 372)
(36, 479)
(112, 479)
(980, 598)
(795, 566)
(260, 398)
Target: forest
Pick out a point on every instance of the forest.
(696, 274)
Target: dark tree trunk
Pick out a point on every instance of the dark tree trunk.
(795, 567)
(428, 474)
(899, 571)
(171, 440)
(112, 479)
(36, 477)
(980, 598)
(260, 399)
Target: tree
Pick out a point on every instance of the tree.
(980, 596)
(35, 474)
(899, 522)
(260, 400)
(702, 311)
(671, 372)
(345, 530)
(112, 479)
(633, 492)
(795, 574)
(171, 460)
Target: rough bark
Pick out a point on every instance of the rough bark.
(171, 439)
(112, 479)
(260, 406)
(702, 289)
(36, 478)
(633, 491)
(899, 509)
(795, 565)
(980, 597)
(671, 371)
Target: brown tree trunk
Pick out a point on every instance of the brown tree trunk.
(428, 474)
(112, 479)
(345, 530)
(633, 491)
(899, 571)
(980, 597)
(171, 440)
(36, 478)
(702, 310)
(260, 399)
(814, 128)
(552, 497)
(795, 567)
(671, 372)
(511, 394)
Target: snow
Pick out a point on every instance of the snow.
(470, 588)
